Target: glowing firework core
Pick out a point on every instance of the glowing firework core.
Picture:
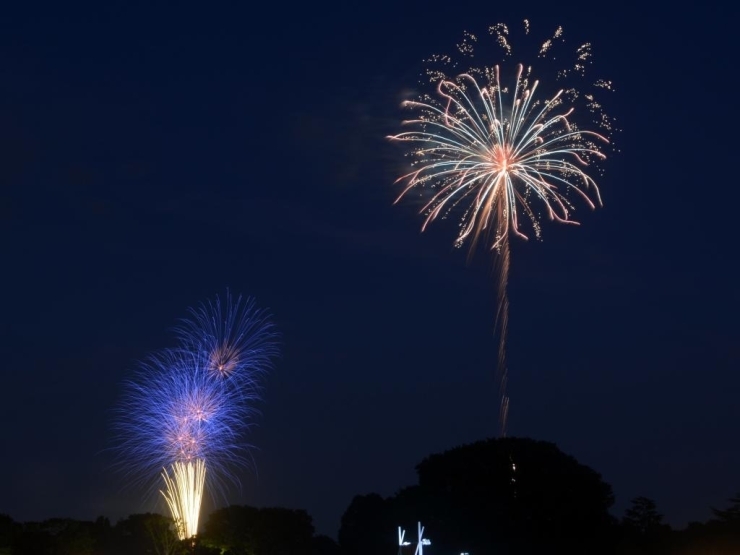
(502, 157)
(184, 494)
(224, 360)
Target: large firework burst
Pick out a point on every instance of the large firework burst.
(186, 423)
(489, 142)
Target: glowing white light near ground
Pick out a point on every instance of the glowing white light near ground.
(422, 541)
(401, 535)
(184, 494)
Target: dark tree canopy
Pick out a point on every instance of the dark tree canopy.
(508, 495)
(643, 530)
(368, 526)
(244, 530)
(324, 545)
(718, 536)
(643, 517)
(148, 533)
(234, 530)
(143, 533)
(731, 515)
(58, 536)
(8, 530)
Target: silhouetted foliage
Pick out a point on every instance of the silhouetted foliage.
(506, 495)
(368, 526)
(33, 539)
(202, 548)
(243, 530)
(8, 531)
(642, 517)
(719, 536)
(324, 545)
(643, 530)
(730, 516)
(103, 535)
(704, 538)
(163, 535)
(147, 533)
(56, 536)
(230, 531)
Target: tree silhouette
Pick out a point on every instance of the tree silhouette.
(643, 528)
(367, 526)
(8, 531)
(146, 533)
(731, 515)
(324, 545)
(507, 495)
(718, 536)
(56, 536)
(643, 517)
(161, 530)
(244, 530)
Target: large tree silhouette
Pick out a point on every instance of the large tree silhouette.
(244, 530)
(643, 530)
(368, 526)
(508, 495)
(643, 517)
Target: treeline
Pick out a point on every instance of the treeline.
(234, 530)
(503, 496)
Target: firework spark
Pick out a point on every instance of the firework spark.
(184, 493)
(178, 416)
(502, 152)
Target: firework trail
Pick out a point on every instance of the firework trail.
(501, 150)
(183, 422)
(184, 494)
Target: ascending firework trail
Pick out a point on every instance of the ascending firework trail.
(501, 147)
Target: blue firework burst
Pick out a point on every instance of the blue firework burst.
(236, 340)
(178, 407)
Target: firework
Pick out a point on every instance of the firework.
(235, 338)
(178, 417)
(184, 493)
(173, 411)
(490, 143)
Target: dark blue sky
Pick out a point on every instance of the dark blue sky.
(152, 156)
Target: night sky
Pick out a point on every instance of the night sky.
(152, 156)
